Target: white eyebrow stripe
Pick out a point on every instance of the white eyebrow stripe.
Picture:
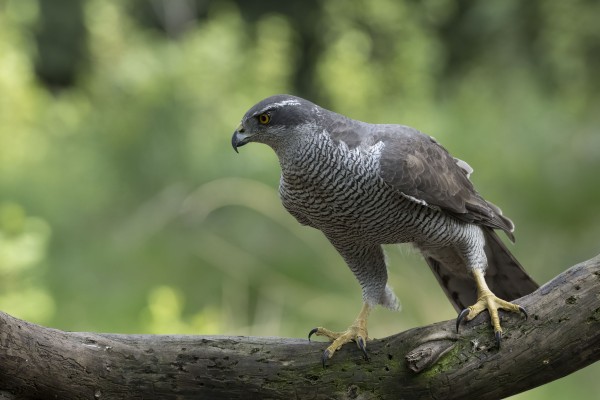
(283, 103)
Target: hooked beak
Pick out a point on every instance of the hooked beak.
(239, 138)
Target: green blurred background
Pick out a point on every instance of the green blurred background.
(123, 207)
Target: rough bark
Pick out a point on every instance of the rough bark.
(561, 336)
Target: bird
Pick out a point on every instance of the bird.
(366, 185)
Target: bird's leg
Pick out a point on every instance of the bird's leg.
(357, 332)
(488, 300)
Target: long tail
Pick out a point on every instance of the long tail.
(505, 276)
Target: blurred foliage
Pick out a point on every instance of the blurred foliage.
(123, 207)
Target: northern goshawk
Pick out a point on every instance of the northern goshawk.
(364, 185)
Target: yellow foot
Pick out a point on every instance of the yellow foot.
(357, 332)
(488, 301)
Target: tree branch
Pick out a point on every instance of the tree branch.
(561, 336)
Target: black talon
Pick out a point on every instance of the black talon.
(312, 332)
(325, 357)
(498, 339)
(524, 312)
(460, 317)
(361, 345)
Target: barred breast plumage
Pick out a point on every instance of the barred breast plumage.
(340, 192)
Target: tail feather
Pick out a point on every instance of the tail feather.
(505, 276)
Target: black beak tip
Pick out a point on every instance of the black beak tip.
(234, 142)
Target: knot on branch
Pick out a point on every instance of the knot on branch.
(429, 352)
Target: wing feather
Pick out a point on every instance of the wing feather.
(418, 167)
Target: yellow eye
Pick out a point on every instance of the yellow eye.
(264, 118)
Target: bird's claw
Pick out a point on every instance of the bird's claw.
(312, 332)
(460, 317)
(339, 339)
(498, 335)
(326, 355)
(361, 345)
(522, 310)
(357, 332)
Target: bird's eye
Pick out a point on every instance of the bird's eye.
(264, 118)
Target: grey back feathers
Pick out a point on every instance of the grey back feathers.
(364, 185)
(418, 167)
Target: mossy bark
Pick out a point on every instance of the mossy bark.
(561, 336)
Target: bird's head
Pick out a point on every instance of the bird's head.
(275, 120)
